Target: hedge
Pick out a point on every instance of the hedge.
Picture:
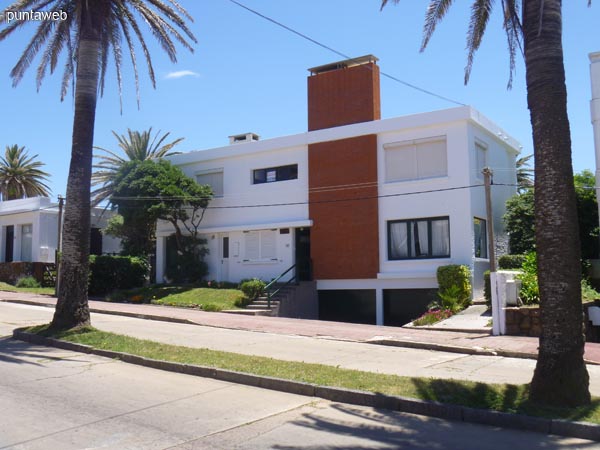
(108, 273)
(457, 278)
(510, 262)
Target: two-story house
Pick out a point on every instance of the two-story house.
(365, 207)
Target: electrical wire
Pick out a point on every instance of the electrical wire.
(331, 49)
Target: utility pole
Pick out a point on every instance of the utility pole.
(487, 179)
(61, 203)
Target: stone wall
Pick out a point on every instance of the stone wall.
(523, 321)
(526, 322)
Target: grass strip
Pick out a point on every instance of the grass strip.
(40, 290)
(498, 397)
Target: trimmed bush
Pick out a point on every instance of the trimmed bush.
(253, 288)
(511, 262)
(455, 281)
(487, 288)
(108, 273)
(27, 282)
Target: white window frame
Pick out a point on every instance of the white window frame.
(412, 146)
(220, 170)
(266, 243)
(481, 148)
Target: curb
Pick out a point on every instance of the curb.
(581, 430)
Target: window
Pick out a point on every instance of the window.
(419, 238)
(26, 241)
(414, 160)
(480, 236)
(214, 179)
(260, 245)
(272, 174)
(480, 158)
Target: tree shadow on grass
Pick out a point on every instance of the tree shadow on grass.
(508, 398)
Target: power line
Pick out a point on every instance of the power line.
(308, 202)
(331, 49)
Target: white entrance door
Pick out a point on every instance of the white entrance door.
(224, 257)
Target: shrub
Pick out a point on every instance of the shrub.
(253, 288)
(108, 273)
(27, 282)
(510, 262)
(487, 288)
(455, 282)
(529, 293)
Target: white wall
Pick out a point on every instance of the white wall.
(396, 205)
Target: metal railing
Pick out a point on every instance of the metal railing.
(271, 294)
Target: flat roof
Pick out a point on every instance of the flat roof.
(358, 61)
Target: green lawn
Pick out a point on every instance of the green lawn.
(11, 288)
(498, 397)
(207, 299)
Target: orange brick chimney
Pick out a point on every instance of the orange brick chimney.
(343, 190)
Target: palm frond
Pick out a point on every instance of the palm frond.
(480, 15)
(436, 11)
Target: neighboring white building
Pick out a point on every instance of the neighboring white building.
(367, 208)
(29, 230)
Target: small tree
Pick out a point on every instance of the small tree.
(147, 191)
(520, 222)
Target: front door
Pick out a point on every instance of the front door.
(224, 257)
(303, 261)
(10, 243)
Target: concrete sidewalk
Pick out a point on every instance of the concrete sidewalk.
(467, 342)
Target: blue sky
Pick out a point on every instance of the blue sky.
(247, 74)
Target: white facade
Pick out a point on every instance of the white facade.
(29, 230)
(426, 186)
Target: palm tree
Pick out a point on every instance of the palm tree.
(137, 147)
(535, 26)
(524, 174)
(91, 31)
(21, 176)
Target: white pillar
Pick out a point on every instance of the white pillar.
(379, 306)
(595, 111)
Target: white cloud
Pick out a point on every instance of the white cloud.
(181, 74)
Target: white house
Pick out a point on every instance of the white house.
(29, 230)
(367, 208)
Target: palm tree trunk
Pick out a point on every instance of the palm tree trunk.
(560, 376)
(72, 307)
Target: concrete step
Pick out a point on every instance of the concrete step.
(249, 312)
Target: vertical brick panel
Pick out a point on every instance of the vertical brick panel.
(344, 208)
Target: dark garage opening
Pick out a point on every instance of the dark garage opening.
(354, 306)
(401, 306)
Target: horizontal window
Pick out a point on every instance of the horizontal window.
(272, 174)
(260, 245)
(413, 160)
(419, 238)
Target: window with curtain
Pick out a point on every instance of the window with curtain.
(480, 237)
(417, 159)
(419, 238)
(214, 179)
